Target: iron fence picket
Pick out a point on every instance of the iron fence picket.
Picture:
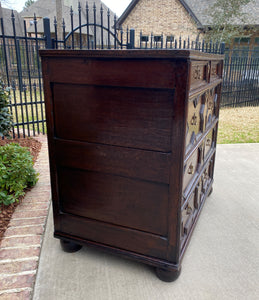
(102, 45)
(5, 52)
(13, 94)
(72, 27)
(80, 25)
(29, 76)
(108, 19)
(94, 10)
(39, 72)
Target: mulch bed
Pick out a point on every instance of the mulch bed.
(6, 212)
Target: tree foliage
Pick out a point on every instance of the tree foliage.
(228, 19)
(6, 120)
(17, 172)
(28, 3)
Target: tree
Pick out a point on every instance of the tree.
(28, 3)
(227, 19)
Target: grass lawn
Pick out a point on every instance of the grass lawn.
(28, 110)
(238, 125)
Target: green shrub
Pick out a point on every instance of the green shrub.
(6, 120)
(16, 172)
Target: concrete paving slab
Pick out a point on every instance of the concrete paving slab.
(221, 262)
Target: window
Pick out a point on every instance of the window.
(158, 38)
(243, 40)
(170, 39)
(144, 38)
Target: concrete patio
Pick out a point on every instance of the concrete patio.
(221, 262)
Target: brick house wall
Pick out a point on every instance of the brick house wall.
(167, 17)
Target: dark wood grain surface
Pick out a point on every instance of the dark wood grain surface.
(132, 137)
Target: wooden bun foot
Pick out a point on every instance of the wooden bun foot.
(167, 276)
(69, 247)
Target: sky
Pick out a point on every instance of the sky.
(117, 6)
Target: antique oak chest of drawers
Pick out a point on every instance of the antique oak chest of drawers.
(132, 137)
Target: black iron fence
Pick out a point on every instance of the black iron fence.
(92, 28)
(241, 77)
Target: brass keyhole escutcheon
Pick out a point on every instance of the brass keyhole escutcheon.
(210, 104)
(208, 142)
(194, 120)
(191, 169)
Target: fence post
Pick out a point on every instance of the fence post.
(47, 34)
(222, 48)
(131, 44)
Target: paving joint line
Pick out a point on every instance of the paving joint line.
(21, 247)
(17, 290)
(25, 226)
(18, 274)
(7, 261)
(21, 235)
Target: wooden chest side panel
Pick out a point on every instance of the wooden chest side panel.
(114, 199)
(133, 163)
(146, 73)
(115, 236)
(115, 116)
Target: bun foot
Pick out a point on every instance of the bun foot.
(69, 247)
(210, 192)
(166, 275)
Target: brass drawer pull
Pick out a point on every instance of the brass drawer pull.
(208, 142)
(191, 169)
(188, 210)
(194, 120)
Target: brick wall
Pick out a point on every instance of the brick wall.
(161, 16)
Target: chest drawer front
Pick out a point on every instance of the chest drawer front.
(188, 215)
(200, 72)
(194, 122)
(209, 108)
(209, 143)
(216, 72)
(194, 200)
(191, 168)
(128, 117)
(206, 177)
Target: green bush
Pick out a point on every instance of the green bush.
(6, 120)
(16, 172)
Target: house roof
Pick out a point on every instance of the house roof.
(8, 25)
(198, 10)
(133, 3)
(47, 8)
(201, 8)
